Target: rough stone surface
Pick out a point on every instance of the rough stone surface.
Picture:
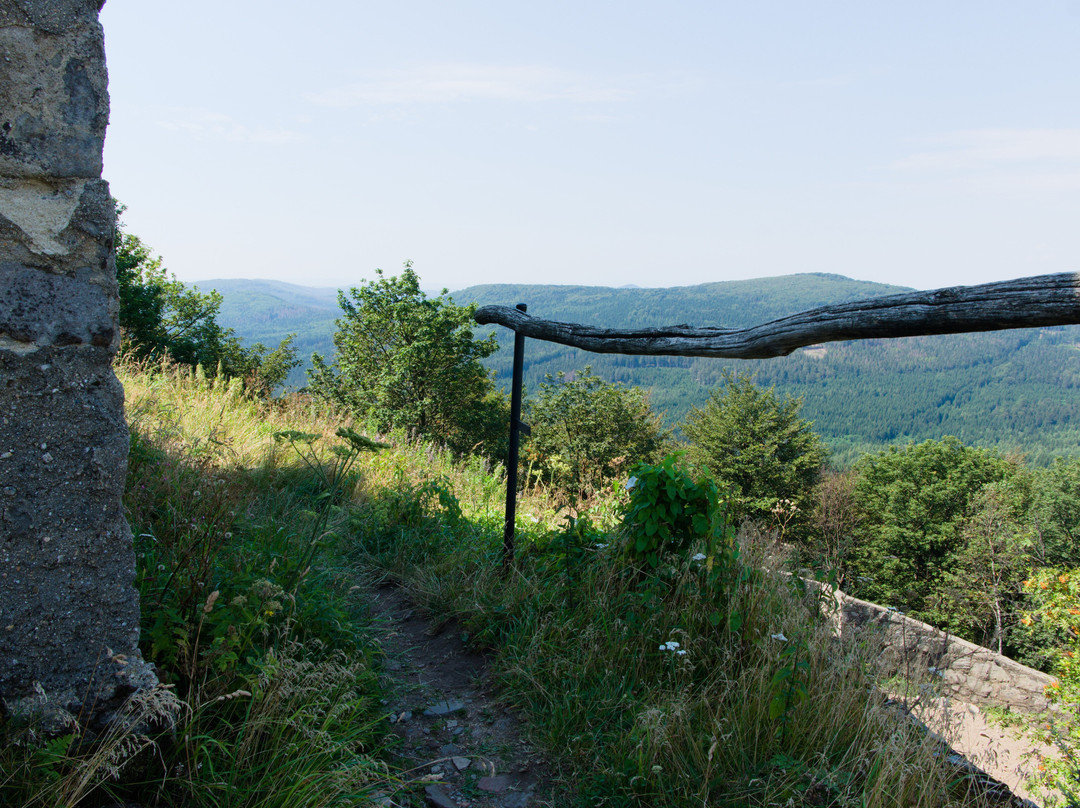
(52, 16)
(437, 797)
(69, 614)
(494, 784)
(80, 311)
(445, 707)
(66, 563)
(965, 670)
(64, 227)
(54, 104)
(517, 799)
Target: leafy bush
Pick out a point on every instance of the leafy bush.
(669, 511)
(1056, 600)
(409, 362)
(587, 432)
(757, 444)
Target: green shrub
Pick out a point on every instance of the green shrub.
(757, 444)
(587, 432)
(1056, 597)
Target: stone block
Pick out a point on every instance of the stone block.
(54, 98)
(69, 613)
(57, 276)
(45, 309)
(54, 16)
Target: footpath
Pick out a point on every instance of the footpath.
(463, 748)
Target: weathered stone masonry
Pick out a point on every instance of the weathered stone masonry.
(69, 613)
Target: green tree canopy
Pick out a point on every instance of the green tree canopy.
(407, 361)
(1056, 514)
(161, 316)
(916, 504)
(756, 443)
(586, 431)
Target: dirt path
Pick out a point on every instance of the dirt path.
(464, 747)
(1004, 753)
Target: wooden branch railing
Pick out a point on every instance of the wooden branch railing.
(1044, 300)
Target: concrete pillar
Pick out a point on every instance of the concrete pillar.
(69, 613)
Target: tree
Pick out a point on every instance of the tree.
(161, 316)
(1055, 601)
(407, 361)
(1056, 513)
(586, 431)
(834, 519)
(756, 443)
(917, 504)
(981, 590)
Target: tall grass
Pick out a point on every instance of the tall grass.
(252, 520)
(249, 612)
(582, 640)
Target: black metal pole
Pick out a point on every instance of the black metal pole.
(512, 457)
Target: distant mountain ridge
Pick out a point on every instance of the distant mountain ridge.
(1015, 390)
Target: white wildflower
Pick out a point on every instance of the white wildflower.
(697, 557)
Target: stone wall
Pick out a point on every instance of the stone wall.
(964, 670)
(69, 614)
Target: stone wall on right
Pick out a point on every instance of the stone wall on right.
(964, 670)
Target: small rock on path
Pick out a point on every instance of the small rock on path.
(454, 733)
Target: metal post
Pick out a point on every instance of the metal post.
(512, 458)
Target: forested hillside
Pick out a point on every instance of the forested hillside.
(1011, 389)
(268, 311)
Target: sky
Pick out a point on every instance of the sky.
(924, 144)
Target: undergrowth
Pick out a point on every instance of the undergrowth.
(270, 694)
(658, 658)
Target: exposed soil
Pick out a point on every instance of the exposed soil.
(1004, 753)
(464, 749)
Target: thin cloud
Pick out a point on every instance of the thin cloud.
(454, 83)
(208, 125)
(827, 82)
(999, 149)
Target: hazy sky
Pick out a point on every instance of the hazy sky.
(661, 144)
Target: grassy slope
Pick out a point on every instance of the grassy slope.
(268, 667)
(574, 630)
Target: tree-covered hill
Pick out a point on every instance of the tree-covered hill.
(1015, 390)
(268, 311)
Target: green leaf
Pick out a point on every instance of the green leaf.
(780, 676)
(777, 707)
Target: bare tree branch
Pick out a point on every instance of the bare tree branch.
(1044, 300)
